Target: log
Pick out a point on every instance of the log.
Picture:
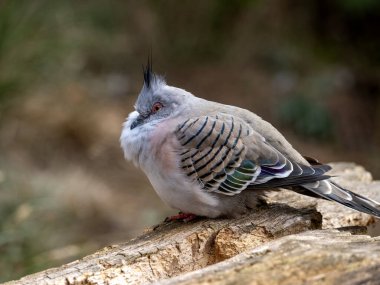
(202, 250)
(314, 257)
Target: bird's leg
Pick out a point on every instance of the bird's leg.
(185, 217)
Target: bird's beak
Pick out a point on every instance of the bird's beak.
(138, 121)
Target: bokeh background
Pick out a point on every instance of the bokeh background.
(70, 72)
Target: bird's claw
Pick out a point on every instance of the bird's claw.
(185, 217)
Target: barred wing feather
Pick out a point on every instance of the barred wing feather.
(225, 155)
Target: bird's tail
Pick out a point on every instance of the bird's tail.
(332, 191)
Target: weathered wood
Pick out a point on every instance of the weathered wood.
(173, 249)
(314, 257)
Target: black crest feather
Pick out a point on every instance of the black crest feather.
(148, 73)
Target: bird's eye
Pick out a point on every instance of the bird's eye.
(156, 107)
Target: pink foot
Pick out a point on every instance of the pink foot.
(185, 217)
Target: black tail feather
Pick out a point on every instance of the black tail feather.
(332, 191)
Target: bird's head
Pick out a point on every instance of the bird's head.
(157, 100)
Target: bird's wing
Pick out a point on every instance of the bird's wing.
(225, 155)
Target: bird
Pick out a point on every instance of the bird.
(208, 159)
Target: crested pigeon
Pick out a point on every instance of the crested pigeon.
(209, 159)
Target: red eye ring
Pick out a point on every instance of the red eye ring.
(156, 107)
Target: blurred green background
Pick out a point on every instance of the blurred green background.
(70, 72)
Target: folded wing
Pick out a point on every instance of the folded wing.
(225, 155)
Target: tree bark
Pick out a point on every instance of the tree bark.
(314, 257)
(263, 247)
